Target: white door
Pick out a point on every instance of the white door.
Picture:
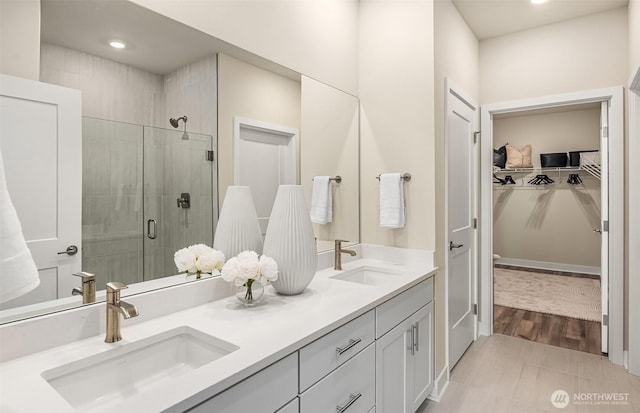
(41, 144)
(459, 136)
(265, 157)
(604, 208)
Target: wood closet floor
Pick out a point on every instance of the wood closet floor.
(565, 332)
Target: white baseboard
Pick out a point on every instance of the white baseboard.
(553, 266)
(440, 385)
(625, 359)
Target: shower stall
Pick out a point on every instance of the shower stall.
(146, 192)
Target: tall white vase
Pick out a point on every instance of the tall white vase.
(238, 228)
(290, 241)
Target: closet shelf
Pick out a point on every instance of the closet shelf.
(541, 170)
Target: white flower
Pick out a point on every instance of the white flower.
(268, 268)
(248, 264)
(185, 260)
(210, 260)
(230, 270)
(199, 249)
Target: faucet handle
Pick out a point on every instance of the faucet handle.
(340, 241)
(114, 286)
(86, 276)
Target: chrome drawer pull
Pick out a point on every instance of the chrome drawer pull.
(352, 399)
(417, 337)
(352, 342)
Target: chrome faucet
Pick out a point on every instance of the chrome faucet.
(88, 289)
(115, 307)
(338, 254)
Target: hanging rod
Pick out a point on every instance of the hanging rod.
(406, 176)
(337, 178)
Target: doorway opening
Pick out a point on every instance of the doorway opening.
(611, 212)
(546, 226)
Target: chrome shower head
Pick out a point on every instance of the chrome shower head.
(174, 122)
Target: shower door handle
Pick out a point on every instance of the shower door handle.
(151, 234)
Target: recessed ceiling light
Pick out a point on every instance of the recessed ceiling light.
(116, 44)
(538, 1)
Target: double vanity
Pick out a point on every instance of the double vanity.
(356, 340)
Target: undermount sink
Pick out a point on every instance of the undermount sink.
(367, 275)
(127, 371)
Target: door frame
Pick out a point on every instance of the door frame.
(451, 87)
(615, 96)
(634, 225)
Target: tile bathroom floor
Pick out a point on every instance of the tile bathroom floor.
(501, 374)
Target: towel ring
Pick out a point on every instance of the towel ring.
(405, 176)
(338, 179)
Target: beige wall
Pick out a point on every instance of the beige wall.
(397, 121)
(316, 38)
(20, 38)
(552, 223)
(456, 58)
(330, 146)
(580, 54)
(634, 36)
(250, 92)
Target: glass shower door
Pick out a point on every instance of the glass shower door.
(178, 171)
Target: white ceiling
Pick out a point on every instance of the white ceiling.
(491, 18)
(155, 43)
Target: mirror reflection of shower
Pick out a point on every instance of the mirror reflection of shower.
(176, 121)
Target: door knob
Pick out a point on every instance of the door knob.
(452, 245)
(71, 250)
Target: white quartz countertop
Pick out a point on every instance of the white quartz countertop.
(276, 327)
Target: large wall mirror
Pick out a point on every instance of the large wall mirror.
(136, 165)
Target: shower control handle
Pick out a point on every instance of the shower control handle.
(184, 201)
(150, 234)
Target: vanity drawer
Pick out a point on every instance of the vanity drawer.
(332, 350)
(394, 311)
(351, 388)
(266, 391)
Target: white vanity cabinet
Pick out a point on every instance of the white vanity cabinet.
(266, 391)
(404, 355)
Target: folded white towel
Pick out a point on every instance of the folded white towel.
(391, 201)
(18, 272)
(321, 201)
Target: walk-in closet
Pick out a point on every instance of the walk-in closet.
(547, 214)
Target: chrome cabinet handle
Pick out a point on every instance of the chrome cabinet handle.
(452, 245)
(352, 399)
(71, 250)
(416, 344)
(341, 350)
(411, 345)
(151, 235)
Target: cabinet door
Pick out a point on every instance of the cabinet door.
(392, 352)
(420, 365)
(291, 407)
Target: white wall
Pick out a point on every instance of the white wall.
(552, 223)
(397, 121)
(634, 36)
(330, 146)
(250, 92)
(456, 58)
(316, 38)
(580, 54)
(20, 38)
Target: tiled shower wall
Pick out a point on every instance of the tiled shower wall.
(113, 219)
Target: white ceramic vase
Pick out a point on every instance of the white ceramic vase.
(290, 241)
(238, 229)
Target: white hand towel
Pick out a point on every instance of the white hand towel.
(321, 201)
(391, 201)
(18, 272)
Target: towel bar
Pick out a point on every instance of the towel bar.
(406, 176)
(338, 179)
